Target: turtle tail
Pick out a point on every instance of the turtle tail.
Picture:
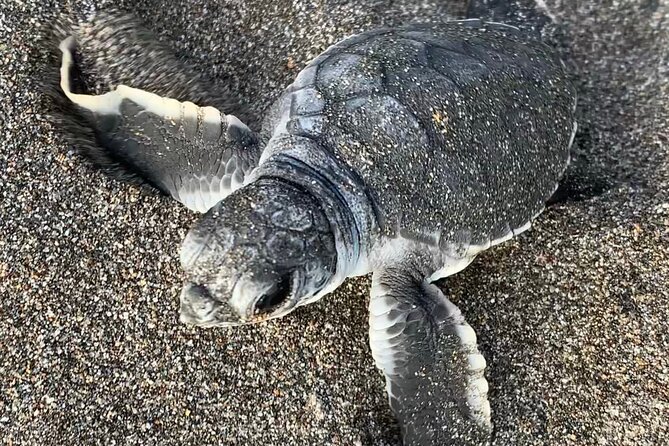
(113, 49)
(528, 15)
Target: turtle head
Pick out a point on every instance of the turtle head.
(256, 255)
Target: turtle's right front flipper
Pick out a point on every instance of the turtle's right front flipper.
(196, 154)
(428, 354)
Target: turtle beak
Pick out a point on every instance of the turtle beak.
(251, 301)
(199, 308)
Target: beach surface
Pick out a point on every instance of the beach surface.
(572, 316)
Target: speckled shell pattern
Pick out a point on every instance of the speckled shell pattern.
(458, 131)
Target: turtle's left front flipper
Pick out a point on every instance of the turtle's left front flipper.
(428, 353)
(195, 153)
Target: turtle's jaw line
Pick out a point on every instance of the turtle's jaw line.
(208, 324)
(219, 318)
(223, 319)
(211, 320)
(213, 323)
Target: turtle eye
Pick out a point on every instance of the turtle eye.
(274, 297)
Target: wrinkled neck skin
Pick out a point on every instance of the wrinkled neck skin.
(343, 197)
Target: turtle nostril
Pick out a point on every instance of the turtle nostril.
(198, 299)
(274, 297)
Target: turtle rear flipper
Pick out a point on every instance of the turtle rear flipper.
(194, 153)
(428, 353)
(529, 15)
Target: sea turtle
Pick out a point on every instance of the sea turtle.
(403, 152)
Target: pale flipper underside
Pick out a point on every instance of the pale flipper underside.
(429, 356)
(196, 154)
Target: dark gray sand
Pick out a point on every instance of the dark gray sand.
(573, 316)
